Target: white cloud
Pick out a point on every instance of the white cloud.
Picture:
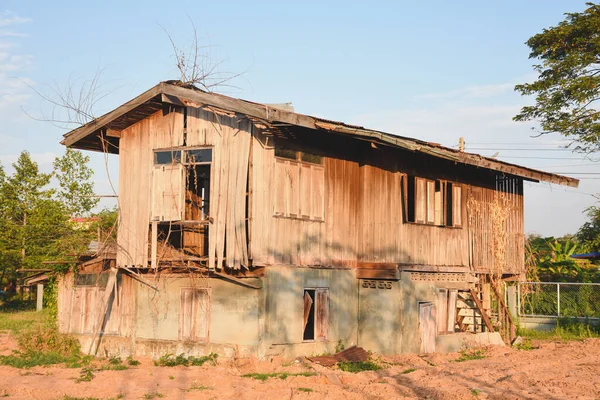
(13, 65)
(8, 18)
(475, 92)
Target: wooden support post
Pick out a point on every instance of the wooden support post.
(153, 260)
(40, 297)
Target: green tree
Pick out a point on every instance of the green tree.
(76, 190)
(568, 86)
(589, 233)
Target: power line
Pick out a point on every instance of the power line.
(515, 149)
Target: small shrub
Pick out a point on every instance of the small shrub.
(475, 392)
(468, 354)
(303, 389)
(170, 360)
(132, 362)
(339, 346)
(86, 375)
(408, 371)
(153, 395)
(46, 338)
(171, 377)
(525, 345)
(356, 367)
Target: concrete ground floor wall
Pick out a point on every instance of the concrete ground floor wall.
(187, 313)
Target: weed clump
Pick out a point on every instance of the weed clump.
(360, 366)
(280, 375)
(171, 360)
(468, 354)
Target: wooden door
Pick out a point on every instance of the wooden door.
(427, 327)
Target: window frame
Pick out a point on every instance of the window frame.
(182, 159)
(436, 206)
(193, 331)
(316, 318)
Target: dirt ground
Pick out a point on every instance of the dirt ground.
(555, 370)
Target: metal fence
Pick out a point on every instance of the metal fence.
(545, 299)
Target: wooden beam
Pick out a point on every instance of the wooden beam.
(153, 258)
(234, 280)
(486, 318)
(113, 133)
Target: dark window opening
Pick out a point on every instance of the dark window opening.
(296, 155)
(309, 315)
(197, 192)
(197, 156)
(316, 314)
(167, 157)
(285, 153)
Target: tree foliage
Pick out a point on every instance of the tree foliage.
(73, 175)
(589, 233)
(568, 86)
(35, 218)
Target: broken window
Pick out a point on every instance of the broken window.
(299, 185)
(433, 202)
(316, 314)
(194, 314)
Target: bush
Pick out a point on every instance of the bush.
(47, 339)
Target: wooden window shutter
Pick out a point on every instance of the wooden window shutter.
(430, 202)
(194, 314)
(322, 314)
(456, 205)
(280, 187)
(305, 190)
(420, 200)
(186, 322)
(168, 192)
(318, 193)
(293, 176)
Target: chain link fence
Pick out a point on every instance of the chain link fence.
(553, 299)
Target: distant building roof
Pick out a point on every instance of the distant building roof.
(587, 256)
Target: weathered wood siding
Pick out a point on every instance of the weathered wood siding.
(143, 187)
(136, 162)
(364, 220)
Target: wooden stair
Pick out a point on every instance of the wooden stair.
(469, 317)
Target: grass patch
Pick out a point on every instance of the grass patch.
(408, 371)
(195, 387)
(280, 375)
(153, 395)
(566, 329)
(171, 360)
(525, 345)
(469, 354)
(303, 389)
(19, 321)
(356, 367)
(475, 392)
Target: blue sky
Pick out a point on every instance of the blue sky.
(434, 70)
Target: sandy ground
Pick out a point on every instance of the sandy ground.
(556, 370)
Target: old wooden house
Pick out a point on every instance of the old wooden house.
(247, 228)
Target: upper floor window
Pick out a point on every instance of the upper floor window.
(299, 185)
(434, 202)
(184, 156)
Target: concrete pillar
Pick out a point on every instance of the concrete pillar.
(511, 294)
(40, 297)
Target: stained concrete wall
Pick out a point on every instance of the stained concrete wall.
(284, 306)
(234, 311)
(380, 319)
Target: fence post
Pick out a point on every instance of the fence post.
(558, 299)
(519, 299)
